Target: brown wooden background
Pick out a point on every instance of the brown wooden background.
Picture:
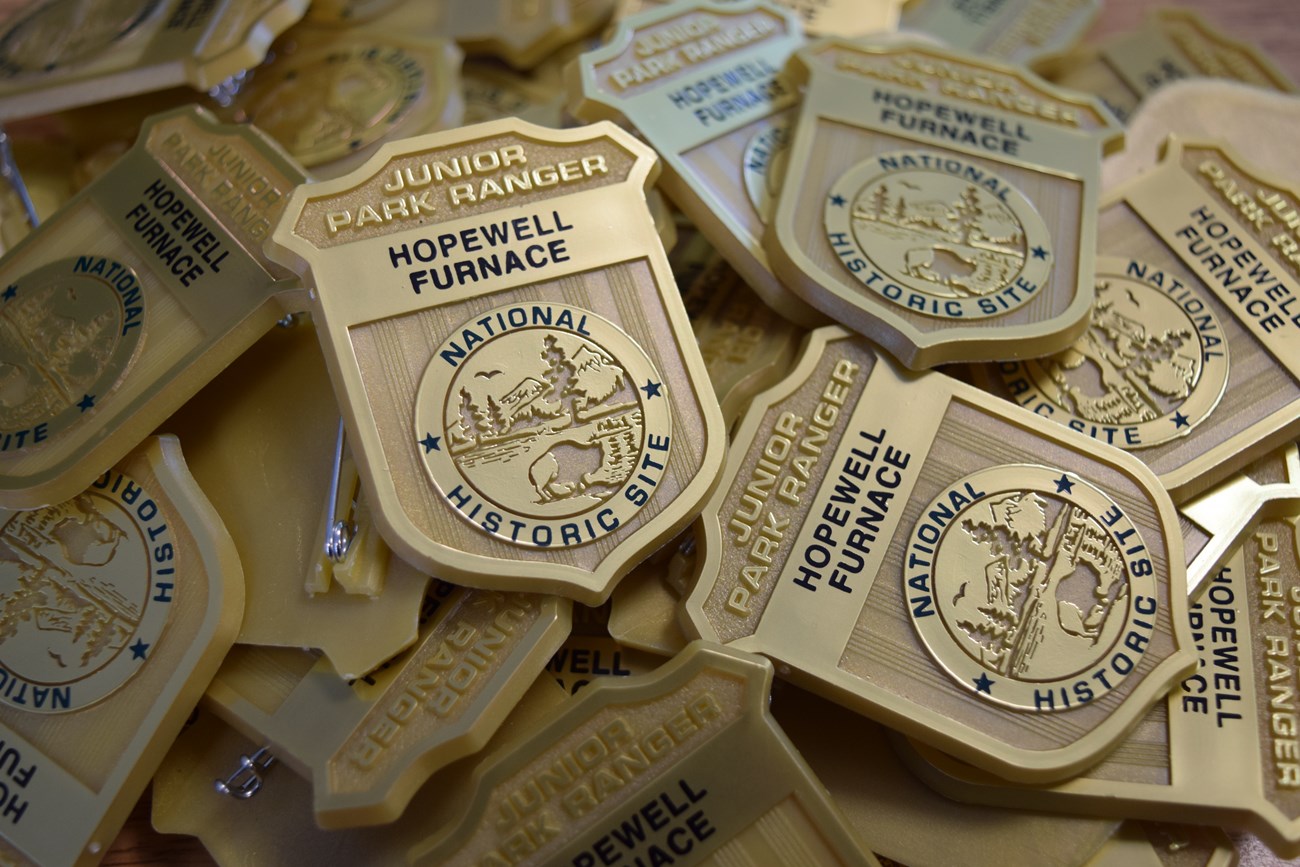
(1272, 25)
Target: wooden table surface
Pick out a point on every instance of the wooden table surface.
(1272, 25)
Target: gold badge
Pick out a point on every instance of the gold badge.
(521, 386)
(1151, 367)
(584, 659)
(62, 55)
(128, 299)
(115, 609)
(522, 34)
(945, 204)
(1221, 749)
(368, 744)
(493, 92)
(333, 100)
(948, 565)
(1173, 45)
(1031, 33)
(700, 83)
(847, 18)
(691, 751)
(296, 595)
(1220, 239)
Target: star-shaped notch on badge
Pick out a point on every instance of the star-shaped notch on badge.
(1039, 252)
(1181, 421)
(431, 443)
(651, 389)
(139, 649)
(837, 200)
(1064, 485)
(86, 402)
(983, 684)
(10, 291)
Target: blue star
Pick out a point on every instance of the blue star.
(138, 649)
(1181, 420)
(651, 389)
(86, 402)
(1039, 253)
(430, 443)
(983, 684)
(837, 200)
(9, 293)
(1064, 485)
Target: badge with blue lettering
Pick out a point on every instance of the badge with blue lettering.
(700, 82)
(1193, 350)
(116, 607)
(143, 286)
(960, 570)
(333, 99)
(941, 204)
(1031, 33)
(368, 744)
(64, 54)
(524, 397)
(1224, 747)
(586, 659)
(683, 765)
(1173, 45)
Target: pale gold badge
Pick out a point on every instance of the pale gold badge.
(524, 397)
(337, 96)
(1222, 749)
(953, 567)
(944, 205)
(700, 83)
(522, 34)
(66, 53)
(119, 307)
(689, 752)
(847, 18)
(1173, 45)
(298, 594)
(1031, 33)
(1219, 239)
(115, 609)
(367, 745)
(1167, 845)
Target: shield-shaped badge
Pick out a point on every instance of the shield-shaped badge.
(942, 205)
(1031, 33)
(960, 570)
(64, 54)
(523, 393)
(117, 309)
(702, 83)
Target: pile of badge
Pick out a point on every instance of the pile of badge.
(516, 427)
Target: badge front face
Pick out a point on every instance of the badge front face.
(962, 571)
(115, 610)
(63, 55)
(703, 84)
(945, 204)
(525, 400)
(117, 308)
(1028, 32)
(1221, 749)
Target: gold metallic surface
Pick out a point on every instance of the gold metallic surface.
(1028, 32)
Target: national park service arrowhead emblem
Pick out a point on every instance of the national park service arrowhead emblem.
(524, 397)
(941, 204)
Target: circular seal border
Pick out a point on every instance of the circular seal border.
(1026, 285)
(122, 282)
(59, 16)
(1181, 421)
(499, 522)
(153, 532)
(767, 151)
(1090, 681)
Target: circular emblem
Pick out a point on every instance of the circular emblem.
(1030, 587)
(937, 234)
(84, 595)
(763, 165)
(68, 332)
(1151, 366)
(329, 102)
(66, 32)
(543, 424)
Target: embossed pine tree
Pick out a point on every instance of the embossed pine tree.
(462, 432)
(969, 214)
